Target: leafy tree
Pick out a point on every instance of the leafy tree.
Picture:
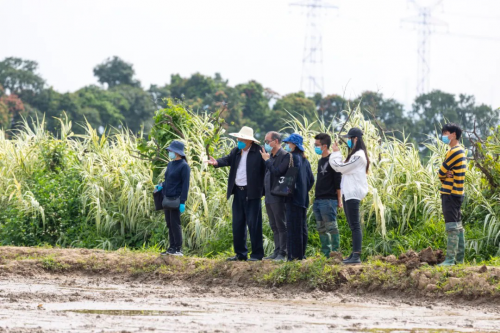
(296, 104)
(18, 76)
(114, 71)
(135, 105)
(203, 93)
(10, 108)
(102, 105)
(431, 110)
(256, 111)
(388, 113)
(330, 108)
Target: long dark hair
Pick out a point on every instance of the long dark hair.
(360, 145)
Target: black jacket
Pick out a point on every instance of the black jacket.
(305, 181)
(256, 169)
(276, 167)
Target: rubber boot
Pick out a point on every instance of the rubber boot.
(452, 246)
(355, 259)
(461, 248)
(326, 246)
(335, 242)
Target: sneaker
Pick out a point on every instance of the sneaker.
(178, 253)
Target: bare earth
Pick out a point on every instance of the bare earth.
(74, 303)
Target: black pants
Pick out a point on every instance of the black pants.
(351, 209)
(247, 213)
(277, 221)
(296, 228)
(452, 208)
(173, 219)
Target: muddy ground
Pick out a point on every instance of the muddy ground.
(46, 290)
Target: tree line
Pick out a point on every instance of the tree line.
(120, 100)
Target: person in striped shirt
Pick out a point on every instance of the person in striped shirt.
(452, 176)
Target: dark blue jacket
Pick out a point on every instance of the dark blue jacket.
(256, 169)
(305, 181)
(177, 180)
(276, 166)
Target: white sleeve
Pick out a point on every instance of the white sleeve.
(337, 164)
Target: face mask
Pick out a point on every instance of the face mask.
(288, 149)
(318, 150)
(171, 155)
(445, 139)
(268, 148)
(241, 145)
(349, 143)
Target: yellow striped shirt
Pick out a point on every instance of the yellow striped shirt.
(455, 161)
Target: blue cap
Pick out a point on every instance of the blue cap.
(296, 139)
(176, 147)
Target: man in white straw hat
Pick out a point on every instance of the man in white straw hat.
(246, 182)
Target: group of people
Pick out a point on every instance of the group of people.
(341, 183)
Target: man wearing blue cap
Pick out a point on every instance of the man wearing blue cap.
(246, 183)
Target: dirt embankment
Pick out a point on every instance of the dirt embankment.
(411, 274)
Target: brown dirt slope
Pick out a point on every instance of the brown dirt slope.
(412, 273)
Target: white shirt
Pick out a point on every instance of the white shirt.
(354, 183)
(241, 172)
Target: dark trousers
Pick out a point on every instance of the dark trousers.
(452, 208)
(277, 221)
(296, 228)
(247, 213)
(351, 209)
(173, 219)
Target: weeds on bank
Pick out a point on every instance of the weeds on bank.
(51, 264)
(315, 273)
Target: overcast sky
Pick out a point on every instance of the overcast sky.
(365, 45)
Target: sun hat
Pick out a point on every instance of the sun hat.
(246, 133)
(176, 147)
(296, 139)
(353, 132)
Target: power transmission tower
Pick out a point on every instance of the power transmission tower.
(312, 81)
(425, 24)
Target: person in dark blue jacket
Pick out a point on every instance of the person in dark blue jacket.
(176, 185)
(296, 205)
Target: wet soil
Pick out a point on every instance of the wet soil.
(80, 290)
(95, 304)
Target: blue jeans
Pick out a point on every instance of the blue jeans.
(325, 211)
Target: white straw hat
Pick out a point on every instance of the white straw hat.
(246, 133)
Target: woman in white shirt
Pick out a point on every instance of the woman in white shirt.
(354, 185)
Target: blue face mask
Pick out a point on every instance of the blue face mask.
(241, 145)
(288, 149)
(318, 150)
(445, 139)
(171, 155)
(268, 148)
(349, 143)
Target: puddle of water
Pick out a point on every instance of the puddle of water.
(134, 312)
(86, 288)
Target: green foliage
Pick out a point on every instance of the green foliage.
(18, 76)
(114, 71)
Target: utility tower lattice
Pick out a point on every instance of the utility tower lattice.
(312, 81)
(425, 23)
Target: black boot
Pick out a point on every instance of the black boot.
(348, 258)
(353, 260)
